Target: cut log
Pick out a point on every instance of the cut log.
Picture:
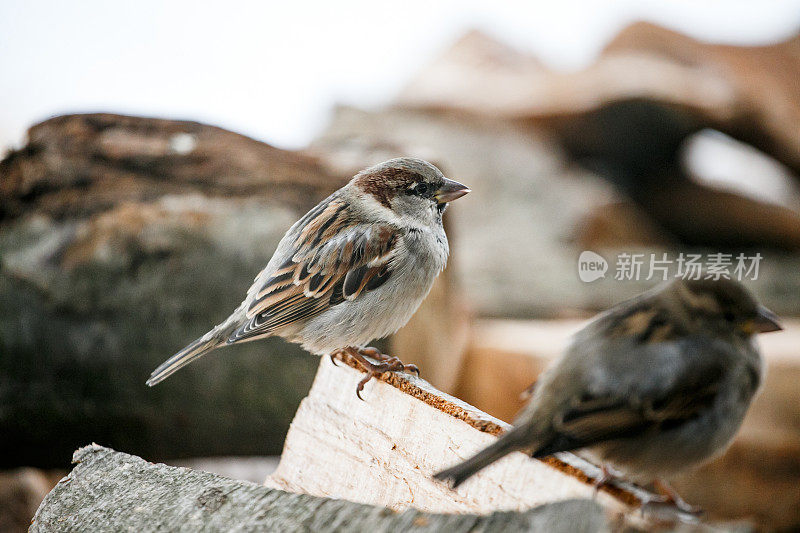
(113, 491)
(384, 450)
(381, 451)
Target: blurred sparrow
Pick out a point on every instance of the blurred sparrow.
(651, 387)
(353, 269)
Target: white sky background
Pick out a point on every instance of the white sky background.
(274, 70)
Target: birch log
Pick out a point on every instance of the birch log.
(113, 491)
(384, 450)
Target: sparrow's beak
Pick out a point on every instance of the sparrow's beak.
(765, 321)
(451, 190)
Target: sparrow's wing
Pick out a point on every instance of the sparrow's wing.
(643, 403)
(334, 258)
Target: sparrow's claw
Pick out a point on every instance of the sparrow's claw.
(373, 352)
(671, 497)
(372, 371)
(360, 386)
(393, 361)
(603, 479)
(332, 355)
(387, 363)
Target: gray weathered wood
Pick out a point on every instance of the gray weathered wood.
(113, 491)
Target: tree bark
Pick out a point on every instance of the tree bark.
(113, 491)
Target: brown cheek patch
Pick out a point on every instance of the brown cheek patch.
(383, 194)
(383, 185)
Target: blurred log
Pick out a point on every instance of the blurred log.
(620, 224)
(122, 239)
(762, 106)
(384, 450)
(628, 116)
(113, 491)
(638, 145)
(759, 476)
(79, 165)
(749, 93)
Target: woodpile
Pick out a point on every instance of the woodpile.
(113, 491)
(383, 451)
(360, 466)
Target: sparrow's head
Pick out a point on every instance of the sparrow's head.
(725, 304)
(413, 189)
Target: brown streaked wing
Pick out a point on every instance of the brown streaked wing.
(597, 419)
(333, 261)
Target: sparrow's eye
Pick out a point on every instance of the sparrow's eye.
(730, 317)
(418, 189)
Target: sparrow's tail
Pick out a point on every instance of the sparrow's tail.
(509, 442)
(213, 339)
(195, 350)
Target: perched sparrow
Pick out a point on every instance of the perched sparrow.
(353, 269)
(653, 386)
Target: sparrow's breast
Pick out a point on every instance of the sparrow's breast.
(382, 311)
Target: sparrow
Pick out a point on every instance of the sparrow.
(649, 388)
(355, 268)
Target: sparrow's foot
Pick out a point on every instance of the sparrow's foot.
(668, 496)
(606, 477)
(376, 354)
(387, 364)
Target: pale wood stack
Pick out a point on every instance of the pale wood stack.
(384, 450)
